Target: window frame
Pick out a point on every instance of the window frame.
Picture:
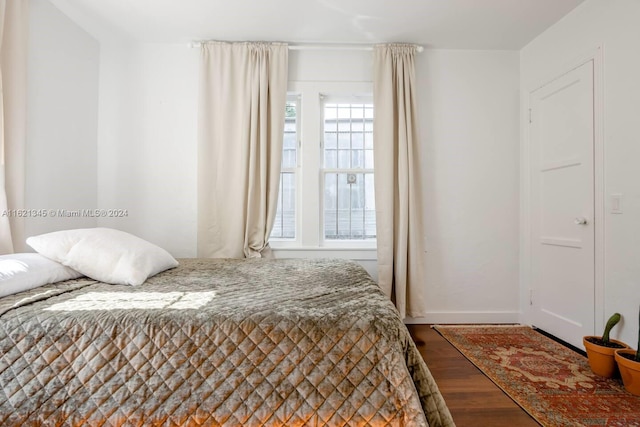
(309, 188)
(295, 98)
(324, 171)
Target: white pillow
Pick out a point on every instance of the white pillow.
(21, 272)
(104, 254)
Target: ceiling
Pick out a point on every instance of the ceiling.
(447, 24)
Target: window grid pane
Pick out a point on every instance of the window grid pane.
(349, 204)
(284, 226)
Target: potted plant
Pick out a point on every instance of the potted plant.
(629, 364)
(600, 350)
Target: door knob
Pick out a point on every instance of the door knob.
(580, 221)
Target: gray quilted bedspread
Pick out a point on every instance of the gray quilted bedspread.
(214, 342)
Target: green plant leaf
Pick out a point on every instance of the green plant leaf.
(613, 321)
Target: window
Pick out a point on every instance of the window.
(285, 223)
(326, 199)
(348, 183)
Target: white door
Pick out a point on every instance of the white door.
(562, 206)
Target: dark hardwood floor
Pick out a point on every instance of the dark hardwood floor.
(473, 399)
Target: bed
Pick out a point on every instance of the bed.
(214, 342)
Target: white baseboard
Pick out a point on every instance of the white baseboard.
(465, 317)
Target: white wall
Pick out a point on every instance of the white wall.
(147, 142)
(62, 116)
(330, 65)
(468, 118)
(612, 24)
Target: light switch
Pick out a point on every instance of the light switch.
(616, 203)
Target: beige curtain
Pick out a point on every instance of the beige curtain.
(14, 16)
(400, 233)
(242, 107)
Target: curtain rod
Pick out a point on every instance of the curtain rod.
(314, 46)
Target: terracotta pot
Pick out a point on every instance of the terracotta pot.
(630, 371)
(601, 359)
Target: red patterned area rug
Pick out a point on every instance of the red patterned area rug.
(551, 382)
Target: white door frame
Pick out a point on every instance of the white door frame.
(526, 242)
